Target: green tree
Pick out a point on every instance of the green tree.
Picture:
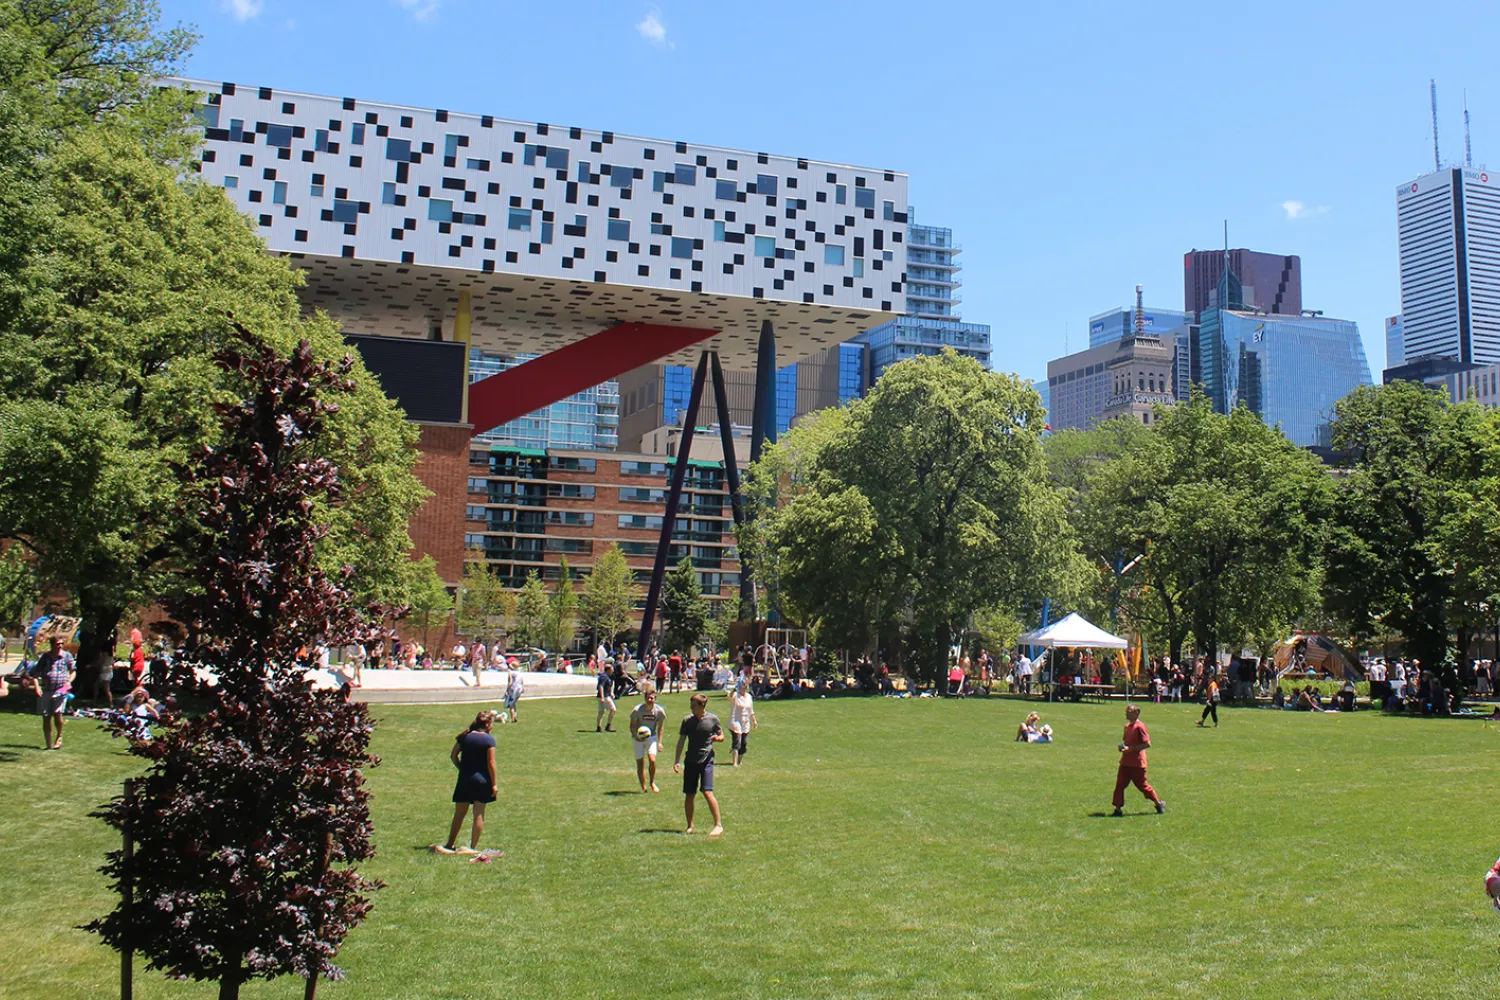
(531, 610)
(683, 610)
(119, 281)
(481, 603)
(1223, 518)
(607, 606)
(562, 611)
(916, 507)
(18, 590)
(721, 616)
(1413, 547)
(427, 596)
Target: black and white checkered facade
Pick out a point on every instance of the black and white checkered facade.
(344, 178)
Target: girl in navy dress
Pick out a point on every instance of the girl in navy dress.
(474, 755)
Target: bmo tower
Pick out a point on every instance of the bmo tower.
(1448, 230)
(598, 252)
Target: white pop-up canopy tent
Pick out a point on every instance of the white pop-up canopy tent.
(1073, 632)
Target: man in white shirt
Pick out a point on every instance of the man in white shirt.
(460, 654)
(1023, 674)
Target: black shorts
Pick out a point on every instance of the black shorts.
(695, 776)
(741, 742)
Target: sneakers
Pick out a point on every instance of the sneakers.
(1118, 812)
(1161, 807)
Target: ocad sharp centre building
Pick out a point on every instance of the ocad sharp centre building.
(428, 232)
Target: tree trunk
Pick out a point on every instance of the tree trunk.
(96, 639)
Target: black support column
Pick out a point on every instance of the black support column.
(669, 516)
(726, 439)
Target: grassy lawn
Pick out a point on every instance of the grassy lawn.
(874, 848)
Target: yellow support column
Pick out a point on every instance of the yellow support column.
(462, 322)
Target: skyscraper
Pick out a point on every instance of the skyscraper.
(1395, 342)
(1448, 231)
(1268, 282)
(932, 321)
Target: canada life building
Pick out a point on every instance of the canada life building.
(1448, 231)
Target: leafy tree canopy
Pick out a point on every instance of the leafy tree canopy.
(914, 508)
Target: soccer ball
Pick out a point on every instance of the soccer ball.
(643, 734)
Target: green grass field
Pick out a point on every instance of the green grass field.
(873, 848)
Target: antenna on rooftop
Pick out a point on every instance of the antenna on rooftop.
(1140, 313)
(1468, 149)
(1437, 164)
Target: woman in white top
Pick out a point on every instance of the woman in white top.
(741, 721)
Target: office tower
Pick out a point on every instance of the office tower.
(1448, 232)
(1174, 327)
(1079, 388)
(1288, 370)
(1395, 342)
(1269, 282)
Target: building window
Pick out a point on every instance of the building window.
(618, 229)
(889, 210)
(859, 267)
(833, 253)
(864, 197)
(231, 181)
(451, 144)
(398, 150)
(685, 173)
(621, 177)
(357, 134)
(388, 194)
(765, 246)
(345, 211)
(765, 184)
(840, 194)
(682, 247)
(278, 193)
(718, 232)
(725, 191)
(520, 219)
(279, 136)
(439, 210)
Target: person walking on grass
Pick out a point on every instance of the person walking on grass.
(1133, 747)
(648, 715)
(474, 755)
(52, 675)
(604, 690)
(700, 731)
(1211, 704)
(741, 721)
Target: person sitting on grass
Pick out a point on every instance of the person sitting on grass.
(473, 754)
(1026, 730)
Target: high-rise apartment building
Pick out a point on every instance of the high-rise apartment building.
(932, 322)
(1448, 232)
(1268, 282)
(589, 419)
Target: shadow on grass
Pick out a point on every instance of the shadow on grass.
(624, 791)
(676, 831)
(1129, 815)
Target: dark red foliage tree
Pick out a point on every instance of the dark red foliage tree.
(250, 818)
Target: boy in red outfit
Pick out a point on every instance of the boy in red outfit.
(1492, 886)
(1133, 747)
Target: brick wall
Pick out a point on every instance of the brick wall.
(437, 528)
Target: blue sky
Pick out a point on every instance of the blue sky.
(1075, 148)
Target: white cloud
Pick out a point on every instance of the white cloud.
(1299, 209)
(243, 10)
(653, 31)
(419, 9)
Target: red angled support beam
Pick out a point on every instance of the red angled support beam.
(558, 374)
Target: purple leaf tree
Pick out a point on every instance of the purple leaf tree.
(250, 818)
